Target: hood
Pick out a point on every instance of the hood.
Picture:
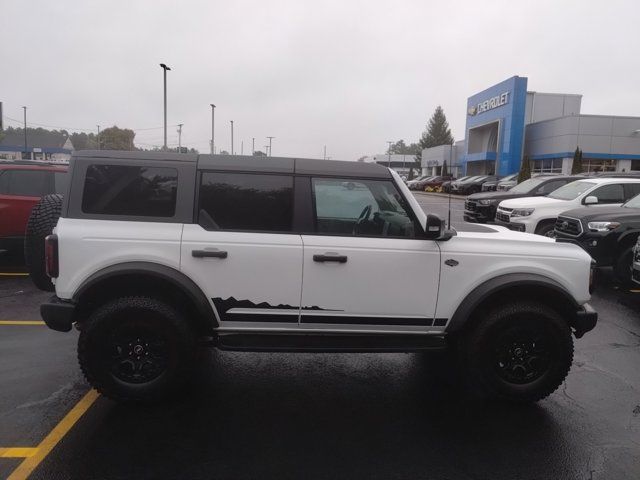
(534, 202)
(495, 195)
(497, 232)
(603, 214)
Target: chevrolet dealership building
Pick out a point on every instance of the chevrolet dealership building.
(505, 122)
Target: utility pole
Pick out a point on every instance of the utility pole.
(180, 137)
(253, 145)
(165, 68)
(324, 156)
(231, 137)
(25, 129)
(241, 147)
(213, 118)
(266, 148)
(270, 138)
(98, 136)
(389, 151)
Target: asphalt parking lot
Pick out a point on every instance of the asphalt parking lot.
(257, 415)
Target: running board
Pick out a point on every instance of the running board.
(251, 342)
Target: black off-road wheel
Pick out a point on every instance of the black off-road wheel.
(137, 349)
(520, 352)
(42, 220)
(546, 229)
(623, 266)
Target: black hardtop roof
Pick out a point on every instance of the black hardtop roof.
(247, 163)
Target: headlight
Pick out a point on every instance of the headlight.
(522, 212)
(602, 226)
(487, 202)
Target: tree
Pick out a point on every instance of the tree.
(224, 152)
(114, 138)
(525, 169)
(259, 153)
(576, 167)
(401, 148)
(437, 132)
(84, 141)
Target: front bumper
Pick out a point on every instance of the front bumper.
(599, 247)
(480, 214)
(518, 227)
(585, 320)
(58, 314)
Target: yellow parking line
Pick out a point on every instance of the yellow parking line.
(29, 464)
(19, 452)
(21, 322)
(6, 274)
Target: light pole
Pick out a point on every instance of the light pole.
(213, 118)
(389, 152)
(231, 137)
(242, 147)
(270, 138)
(324, 156)
(25, 129)
(165, 68)
(266, 147)
(253, 145)
(180, 137)
(98, 136)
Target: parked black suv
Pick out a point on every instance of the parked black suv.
(608, 234)
(474, 186)
(481, 207)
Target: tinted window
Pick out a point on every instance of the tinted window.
(369, 208)
(60, 180)
(27, 183)
(246, 201)
(609, 193)
(633, 189)
(129, 190)
(551, 186)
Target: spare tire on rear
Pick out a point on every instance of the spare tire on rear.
(42, 220)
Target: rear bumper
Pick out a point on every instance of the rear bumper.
(585, 320)
(58, 314)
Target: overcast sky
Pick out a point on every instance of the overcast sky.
(346, 74)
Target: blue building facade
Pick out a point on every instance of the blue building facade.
(495, 128)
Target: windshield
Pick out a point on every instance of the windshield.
(470, 179)
(633, 203)
(527, 185)
(571, 190)
(509, 178)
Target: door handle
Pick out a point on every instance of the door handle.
(330, 258)
(209, 254)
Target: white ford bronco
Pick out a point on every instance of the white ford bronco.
(155, 252)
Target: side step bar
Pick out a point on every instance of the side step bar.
(251, 342)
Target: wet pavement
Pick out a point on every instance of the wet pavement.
(326, 415)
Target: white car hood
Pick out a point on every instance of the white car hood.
(503, 233)
(534, 202)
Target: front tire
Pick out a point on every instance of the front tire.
(520, 352)
(136, 349)
(546, 229)
(623, 266)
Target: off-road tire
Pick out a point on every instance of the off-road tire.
(623, 265)
(483, 357)
(42, 220)
(143, 319)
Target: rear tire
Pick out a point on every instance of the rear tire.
(136, 349)
(520, 352)
(42, 220)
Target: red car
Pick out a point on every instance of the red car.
(22, 184)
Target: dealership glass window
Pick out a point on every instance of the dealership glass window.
(368, 208)
(130, 190)
(635, 164)
(246, 202)
(548, 165)
(598, 165)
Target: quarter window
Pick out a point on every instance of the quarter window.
(130, 190)
(364, 207)
(26, 183)
(246, 202)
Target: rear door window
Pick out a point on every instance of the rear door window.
(246, 202)
(130, 191)
(26, 183)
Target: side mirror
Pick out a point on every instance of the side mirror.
(591, 200)
(433, 227)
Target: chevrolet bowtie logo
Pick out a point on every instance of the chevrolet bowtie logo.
(472, 110)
